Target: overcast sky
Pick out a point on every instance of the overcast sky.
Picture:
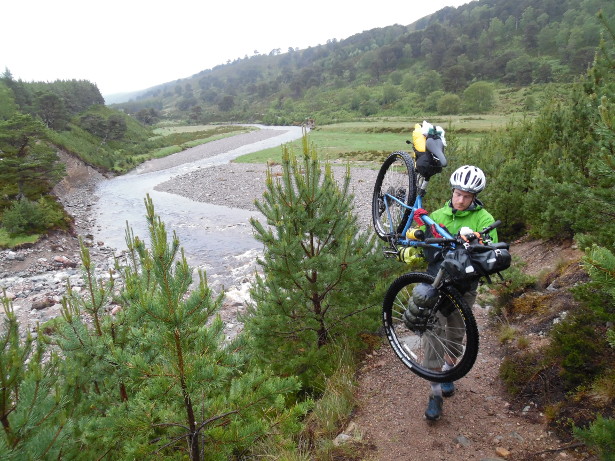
(135, 44)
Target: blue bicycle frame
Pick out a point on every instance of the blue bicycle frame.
(418, 203)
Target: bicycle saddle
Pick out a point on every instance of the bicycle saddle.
(436, 147)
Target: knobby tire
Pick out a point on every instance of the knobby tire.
(410, 346)
(396, 177)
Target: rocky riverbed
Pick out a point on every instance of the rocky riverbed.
(239, 185)
(35, 277)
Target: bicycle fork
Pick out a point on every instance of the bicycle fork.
(438, 281)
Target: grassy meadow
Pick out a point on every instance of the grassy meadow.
(375, 138)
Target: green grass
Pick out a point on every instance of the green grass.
(167, 130)
(370, 140)
(7, 241)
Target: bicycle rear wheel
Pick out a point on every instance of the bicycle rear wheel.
(452, 337)
(395, 178)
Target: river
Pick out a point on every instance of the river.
(216, 238)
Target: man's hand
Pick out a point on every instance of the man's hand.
(466, 232)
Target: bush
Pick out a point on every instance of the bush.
(601, 436)
(521, 373)
(23, 217)
(479, 97)
(449, 104)
(581, 349)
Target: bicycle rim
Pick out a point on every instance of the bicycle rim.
(424, 350)
(396, 177)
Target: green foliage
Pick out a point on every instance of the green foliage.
(479, 97)
(520, 370)
(75, 95)
(29, 168)
(337, 401)
(156, 380)
(24, 217)
(116, 142)
(579, 347)
(599, 293)
(35, 422)
(449, 104)
(51, 110)
(6, 241)
(316, 285)
(562, 156)
(600, 264)
(601, 436)
(113, 127)
(8, 108)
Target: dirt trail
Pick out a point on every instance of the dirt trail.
(479, 422)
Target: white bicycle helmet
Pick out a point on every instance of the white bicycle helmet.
(468, 178)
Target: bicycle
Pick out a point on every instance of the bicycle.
(425, 346)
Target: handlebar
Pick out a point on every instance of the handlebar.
(486, 230)
(489, 228)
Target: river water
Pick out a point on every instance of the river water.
(216, 238)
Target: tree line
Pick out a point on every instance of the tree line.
(408, 70)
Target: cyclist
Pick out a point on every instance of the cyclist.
(463, 210)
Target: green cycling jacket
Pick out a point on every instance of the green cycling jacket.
(475, 217)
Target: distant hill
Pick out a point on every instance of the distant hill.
(117, 98)
(394, 70)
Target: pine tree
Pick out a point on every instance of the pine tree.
(157, 379)
(319, 273)
(600, 261)
(33, 411)
(601, 90)
(28, 166)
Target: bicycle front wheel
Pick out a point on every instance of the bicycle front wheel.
(448, 335)
(396, 178)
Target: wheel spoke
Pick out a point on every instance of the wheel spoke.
(425, 347)
(395, 187)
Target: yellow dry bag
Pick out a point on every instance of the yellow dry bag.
(418, 140)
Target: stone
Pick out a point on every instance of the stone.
(462, 440)
(42, 303)
(341, 439)
(64, 261)
(503, 452)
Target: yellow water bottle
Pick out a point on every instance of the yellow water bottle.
(415, 234)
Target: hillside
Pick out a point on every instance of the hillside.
(425, 67)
